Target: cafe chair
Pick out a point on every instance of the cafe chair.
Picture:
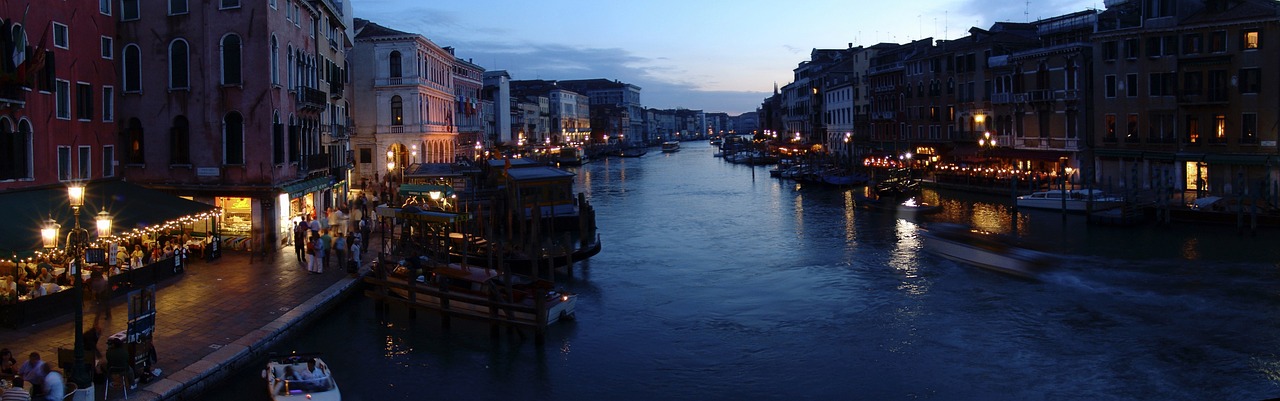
(116, 377)
(70, 391)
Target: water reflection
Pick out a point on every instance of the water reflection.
(1191, 249)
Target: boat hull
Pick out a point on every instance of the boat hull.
(560, 306)
(987, 253)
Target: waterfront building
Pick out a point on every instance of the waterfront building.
(58, 91)
(846, 102)
(531, 120)
(887, 81)
(718, 124)
(570, 112)
(226, 102)
(468, 81)
(746, 123)
(405, 102)
(1182, 96)
(619, 101)
(497, 90)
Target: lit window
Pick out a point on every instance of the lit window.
(1251, 39)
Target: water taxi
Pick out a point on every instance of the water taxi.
(670, 147)
(985, 250)
(1073, 200)
(288, 378)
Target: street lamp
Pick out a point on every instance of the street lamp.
(77, 240)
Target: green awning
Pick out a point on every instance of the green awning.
(424, 190)
(300, 188)
(430, 216)
(1238, 159)
(131, 206)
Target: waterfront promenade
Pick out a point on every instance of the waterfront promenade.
(211, 321)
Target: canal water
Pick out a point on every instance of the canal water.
(719, 282)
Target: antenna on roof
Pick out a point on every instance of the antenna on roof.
(1026, 12)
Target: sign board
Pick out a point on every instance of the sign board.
(142, 314)
(1269, 143)
(95, 255)
(208, 171)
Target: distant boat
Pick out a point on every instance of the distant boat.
(633, 152)
(1074, 200)
(670, 147)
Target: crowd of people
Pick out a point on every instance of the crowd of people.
(28, 279)
(337, 234)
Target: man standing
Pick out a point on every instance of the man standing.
(340, 249)
(300, 240)
(326, 245)
(54, 389)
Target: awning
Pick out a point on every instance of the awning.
(425, 190)
(1134, 154)
(300, 188)
(131, 206)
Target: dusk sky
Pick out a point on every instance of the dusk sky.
(715, 56)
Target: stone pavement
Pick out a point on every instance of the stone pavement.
(210, 321)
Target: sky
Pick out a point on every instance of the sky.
(715, 56)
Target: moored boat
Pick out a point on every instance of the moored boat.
(633, 152)
(480, 292)
(290, 377)
(985, 250)
(1073, 200)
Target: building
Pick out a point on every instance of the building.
(405, 109)
(226, 102)
(468, 82)
(58, 92)
(619, 103)
(497, 89)
(570, 111)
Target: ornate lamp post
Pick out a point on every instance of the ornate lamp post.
(77, 240)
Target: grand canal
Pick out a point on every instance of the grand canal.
(719, 282)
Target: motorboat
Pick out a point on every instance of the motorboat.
(913, 207)
(907, 208)
(899, 183)
(985, 250)
(571, 156)
(633, 152)
(670, 147)
(1073, 200)
(286, 380)
(477, 291)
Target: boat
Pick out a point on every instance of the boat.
(899, 183)
(1076, 200)
(571, 156)
(481, 292)
(633, 152)
(839, 177)
(985, 250)
(912, 207)
(318, 388)
(670, 147)
(907, 208)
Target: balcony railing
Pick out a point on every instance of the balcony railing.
(396, 81)
(12, 96)
(315, 163)
(311, 98)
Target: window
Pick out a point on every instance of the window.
(108, 48)
(132, 69)
(231, 59)
(233, 139)
(84, 162)
(366, 155)
(179, 77)
(1249, 128)
(64, 163)
(394, 64)
(1109, 50)
(1193, 130)
(1251, 40)
(1131, 132)
(1191, 43)
(1153, 47)
(272, 3)
(15, 150)
(104, 7)
(1131, 85)
(1219, 128)
(137, 146)
(1109, 86)
(177, 7)
(1192, 83)
(1218, 42)
(1218, 85)
(1250, 80)
(20, 43)
(225, 4)
(1160, 127)
(1111, 128)
(1131, 49)
(180, 141)
(108, 103)
(1171, 45)
(279, 152)
(84, 101)
(109, 161)
(130, 10)
(397, 111)
(63, 89)
(60, 36)
(275, 61)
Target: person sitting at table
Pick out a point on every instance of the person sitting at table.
(8, 365)
(118, 360)
(10, 391)
(122, 257)
(135, 258)
(33, 372)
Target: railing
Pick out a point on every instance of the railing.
(311, 98)
(1001, 98)
(13, 96)
(315, 162)
(1042, 95)
(335, 91)
(396, 81)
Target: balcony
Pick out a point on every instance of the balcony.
(311, 98)
(335, 91)
(1001, 98)
(397, 81)
(318, 162)
(1208, 98)
(12, 96)
(1041, 95)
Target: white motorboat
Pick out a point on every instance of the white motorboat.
(287, 379)
(670, 147)
(1074, 200)
(477, 291)
(985, 250)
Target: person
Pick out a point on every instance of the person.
(135, 258)
(340, 250)
(122, 257)
(313, 248)
(366, 225)
(118, 360)
(289, 374)
(312, 373)
(10, 391)
(355, 254)
(54, 386)
(90, 338)
(300, 241)
(8, 365)
(100, 292)
(326, 245)
(32, 372)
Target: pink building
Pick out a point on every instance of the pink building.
(230, 102)
(57, 92)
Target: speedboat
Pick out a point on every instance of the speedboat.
(985, 250)
(476, 291)
(670, 147)
(285, 380)
(913, 207)
(1073, 200)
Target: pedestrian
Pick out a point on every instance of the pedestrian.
(340, 249)
(13, 391)
(54, 385)
(326, 247)
(365, 227)
(313, 251)
(300, 241)
(100, 291)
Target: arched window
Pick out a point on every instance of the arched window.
(137, 146)
(231, 59)
(278, 149)
(295, 139)
(180, 141)
(10, 146)
(132, 68)
(233, 139)
(275, 61)
(395, 64)
(178, 71)
(397, 111)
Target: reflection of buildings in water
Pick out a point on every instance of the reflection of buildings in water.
(905, 257)
(1191, 249)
